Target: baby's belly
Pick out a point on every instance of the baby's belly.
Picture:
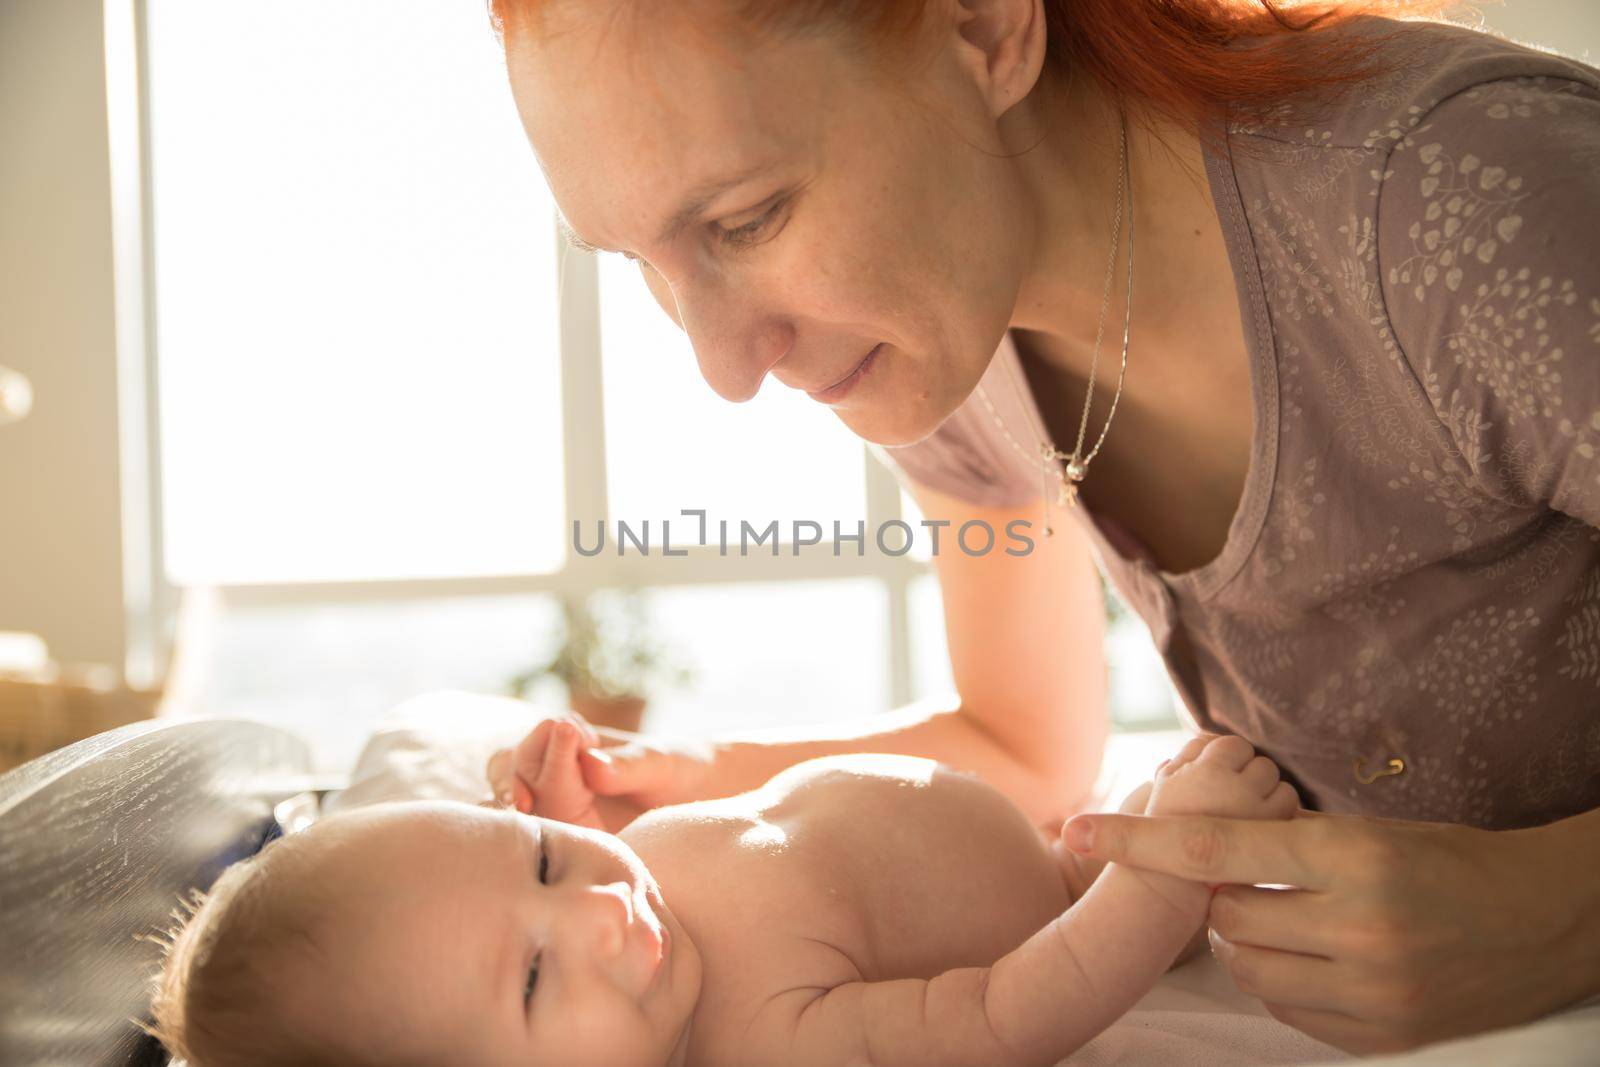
(940, 869)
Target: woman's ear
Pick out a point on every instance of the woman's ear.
(1005, 44)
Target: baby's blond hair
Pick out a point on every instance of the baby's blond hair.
(226, 994)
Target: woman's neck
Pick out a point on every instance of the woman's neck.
(1072, 175)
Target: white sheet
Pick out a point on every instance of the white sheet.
(435, 747)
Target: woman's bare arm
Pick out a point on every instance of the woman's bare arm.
(1026, 640)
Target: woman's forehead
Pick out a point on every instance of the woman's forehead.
(639, 126)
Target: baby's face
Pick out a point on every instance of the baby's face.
(489, 937)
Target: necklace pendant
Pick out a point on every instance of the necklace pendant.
(1077, 470)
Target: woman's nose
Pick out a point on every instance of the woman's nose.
(609, 909)
(736, 341)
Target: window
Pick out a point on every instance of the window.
(355, 284)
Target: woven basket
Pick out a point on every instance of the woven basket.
(43, 712)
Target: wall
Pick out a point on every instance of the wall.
(60, 543)
(1571, 27)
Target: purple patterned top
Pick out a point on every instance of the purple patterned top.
(1413, 571)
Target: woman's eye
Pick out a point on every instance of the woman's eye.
(743, 235)
(533, 980)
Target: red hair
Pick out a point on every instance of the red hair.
(1167, 57)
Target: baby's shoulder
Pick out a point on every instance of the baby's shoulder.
(870, 772)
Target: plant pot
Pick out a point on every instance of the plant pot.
(619, 713)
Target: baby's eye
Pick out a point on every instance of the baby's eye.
(533, 980)
(544, 868)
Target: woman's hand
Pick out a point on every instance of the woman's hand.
(1395, 934)
(627, 773)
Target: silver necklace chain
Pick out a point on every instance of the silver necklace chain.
(1077, 464)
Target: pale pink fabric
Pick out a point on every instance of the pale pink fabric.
(1414, 567)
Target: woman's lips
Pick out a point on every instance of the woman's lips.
(838, 391)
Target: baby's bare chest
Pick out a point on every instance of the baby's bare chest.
(875, 871)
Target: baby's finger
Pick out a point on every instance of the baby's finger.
(1283, 802)
(527, 759)
(585, 730)
(1188, 752)
(1231, 751)
(1261, 776)
(560, 756)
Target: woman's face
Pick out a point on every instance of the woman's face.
(866, 208)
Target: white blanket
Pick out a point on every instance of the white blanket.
(435, 747)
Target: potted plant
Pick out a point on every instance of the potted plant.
(610, 659)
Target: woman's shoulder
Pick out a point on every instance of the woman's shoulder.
(1418, 64)
(1486, 225)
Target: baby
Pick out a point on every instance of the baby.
(863, 909)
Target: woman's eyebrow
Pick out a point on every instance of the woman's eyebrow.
(698, 199)
(703, 195)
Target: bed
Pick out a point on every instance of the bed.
(98, 842)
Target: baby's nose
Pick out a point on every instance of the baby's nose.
(612, 906)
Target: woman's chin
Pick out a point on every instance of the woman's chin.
(893, 425)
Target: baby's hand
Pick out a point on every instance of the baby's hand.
(542, 775)
(1221, 776)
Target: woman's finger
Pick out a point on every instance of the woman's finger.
(1290, 920)
(1200, 848)
(611, 737)
(1283, 978)
(625, 769)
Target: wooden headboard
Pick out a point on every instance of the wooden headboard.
(98, 843)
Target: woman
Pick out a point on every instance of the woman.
(1347, 476)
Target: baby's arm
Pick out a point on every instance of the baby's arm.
(1062, 986)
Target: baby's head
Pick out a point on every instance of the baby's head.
(432, 933)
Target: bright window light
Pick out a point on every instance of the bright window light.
(356, 296)
(767, 655)
(672, 443)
